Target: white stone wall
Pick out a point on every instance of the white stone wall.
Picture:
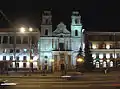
(43, 28)
(7, 46)
(76, 44)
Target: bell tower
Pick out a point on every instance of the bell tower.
(76, 31)
(46, 24)
(76, 26)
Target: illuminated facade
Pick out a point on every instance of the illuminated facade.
(22, 42)
(60, 45)
(105, 47)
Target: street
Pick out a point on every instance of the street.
(45, 82)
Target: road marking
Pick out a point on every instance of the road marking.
(23, 82)
(4, 84)
(65, 76)
(71, 85)
(30, 86)
(40, 80)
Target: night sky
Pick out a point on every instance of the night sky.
(96, 14)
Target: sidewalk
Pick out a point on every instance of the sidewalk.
(58, 74)
(28, 75)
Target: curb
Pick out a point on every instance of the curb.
(44, 77)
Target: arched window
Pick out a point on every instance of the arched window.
(76, 21)
(104, 64)
(46, 21)
(46, 31)
(76, 32)
(97, 64)
(111, 63)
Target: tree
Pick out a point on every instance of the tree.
(79, 63)
(80, 52)
(88, 58)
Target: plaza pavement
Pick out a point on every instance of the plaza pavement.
(112, 74)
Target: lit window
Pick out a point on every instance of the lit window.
(94, 46)
(107, 46)
(25, 50)
(108, 60)
(100, 56)
(104, 64)
(101, 60)
(114, 55)
(107, 55)
(94, 56)
(93, 63)
(97, 65)
(111, 63)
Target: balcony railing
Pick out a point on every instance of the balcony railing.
(61, 50)
(106, 48)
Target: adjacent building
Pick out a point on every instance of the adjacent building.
(105, 48)
(15, 47)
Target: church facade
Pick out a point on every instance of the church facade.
(60, 45)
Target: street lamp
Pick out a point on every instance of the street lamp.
(30, 29)
(79, 63)
(22, 29)
(80, 60)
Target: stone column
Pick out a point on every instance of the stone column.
(1, 39)
(58, 62)
(69, 62)
(8, 39)
(58, 44)
(66, 61)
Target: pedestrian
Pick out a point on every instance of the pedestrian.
(62, 69)
(44, 70)
(105, 70)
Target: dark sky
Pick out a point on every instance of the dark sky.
(96, 14)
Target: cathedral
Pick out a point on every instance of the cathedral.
(60, 45)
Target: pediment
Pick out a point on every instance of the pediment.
(61, 29)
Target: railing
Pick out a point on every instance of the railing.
(61, 50)
(106, 48)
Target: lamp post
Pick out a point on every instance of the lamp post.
(52, 65)
(30, 30)
(114, 49)
(22, 30)
(14, 48)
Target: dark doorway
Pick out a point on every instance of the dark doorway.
(61, 46)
